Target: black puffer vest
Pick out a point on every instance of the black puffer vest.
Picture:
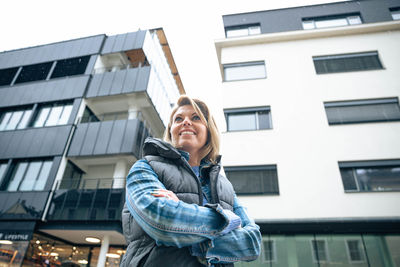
(176, 174)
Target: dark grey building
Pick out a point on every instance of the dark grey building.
(73, 116)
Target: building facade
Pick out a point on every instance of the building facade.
(73, 117)
(311, 102)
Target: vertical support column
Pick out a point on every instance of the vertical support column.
(101, 261)
(119, 174)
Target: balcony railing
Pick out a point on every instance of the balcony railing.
(99, 183)
(88, 199)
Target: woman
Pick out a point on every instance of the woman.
(179, 210)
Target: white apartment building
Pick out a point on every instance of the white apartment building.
(312, 140)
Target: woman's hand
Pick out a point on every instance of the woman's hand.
(165, 193)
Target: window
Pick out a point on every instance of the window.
(347, 62)
(355, 251)
(242, 30)
(269, 251)
(89, 116)
(320, 250)
(7, 75)
(51, 115)
(395, 13)
(34, 72)
(248, 119)
(18, 119)
(249, 180)
(361, 111)
(3, 169)
(244, 71)
(370, 176)
(29, 176)
(71, 66)
(331, 21)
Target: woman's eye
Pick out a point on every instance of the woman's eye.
(178, 119)
(196, 118)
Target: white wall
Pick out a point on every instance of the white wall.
(304, 147)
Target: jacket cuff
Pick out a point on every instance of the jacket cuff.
(232, 221)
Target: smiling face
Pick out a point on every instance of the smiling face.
(188, 131)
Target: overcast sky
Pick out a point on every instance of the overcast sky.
(190, 26)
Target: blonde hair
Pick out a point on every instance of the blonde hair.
(210, 151)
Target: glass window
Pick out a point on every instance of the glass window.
(331, 21)
(70, 67)
(34, 72)
(3, 168)
(355, 250)
(7, 75)
(4, 120)
(360, 111)
(25, 119)
(52, 115)
(320, 250)
(254, 179)
(248, 119)
(269, 251)
(14, 120)
(242, 30)
(395, 12)
(29, 176)
(347, 62)
(17, 176)
(244, 71)
(370, 176)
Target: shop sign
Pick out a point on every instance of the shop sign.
(13, 236)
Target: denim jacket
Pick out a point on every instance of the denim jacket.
(210, 233)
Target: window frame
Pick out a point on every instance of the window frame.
(362, 250)
(254, 168)
(395, 13)
(27, 113)
(249, 110)
(273, 254)
(43, 66)
(244, 64)
(366, 164)
(363, 102)
(51, 106)
(346, 56)
(315, 253)
(242, 27)
(347, 17)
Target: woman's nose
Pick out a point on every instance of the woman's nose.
(187, 122)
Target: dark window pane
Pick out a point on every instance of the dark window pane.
(345, 63)
(71, 66)
(254, 181)
(34, 72)
(347, 113)
(7, 75)
(349, 182)
(264, 120)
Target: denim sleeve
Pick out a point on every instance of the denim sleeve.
(168, 222)
(241, 244)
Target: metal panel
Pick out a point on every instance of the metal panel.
(108, 45)
(103, 137)
(139, 39)
(90, 139)
(119, 43)
(25, 142)
(130, 41)
(142, 79)
(117, 135)
(95, 45)
(130, 80)
(5, 138)
(118, 82)
(106, 84)
(77, 140)
(60, 141)
(90, 65)
(94, 86)
(130, 137)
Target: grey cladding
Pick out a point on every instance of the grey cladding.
(123, 42)
(290, 19)
(106, 138)
(51, 52)
(46, 91)
(119, 82)
(34, 142)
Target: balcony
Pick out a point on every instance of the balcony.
(22, 205)
(105, 138)
(88, 199)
